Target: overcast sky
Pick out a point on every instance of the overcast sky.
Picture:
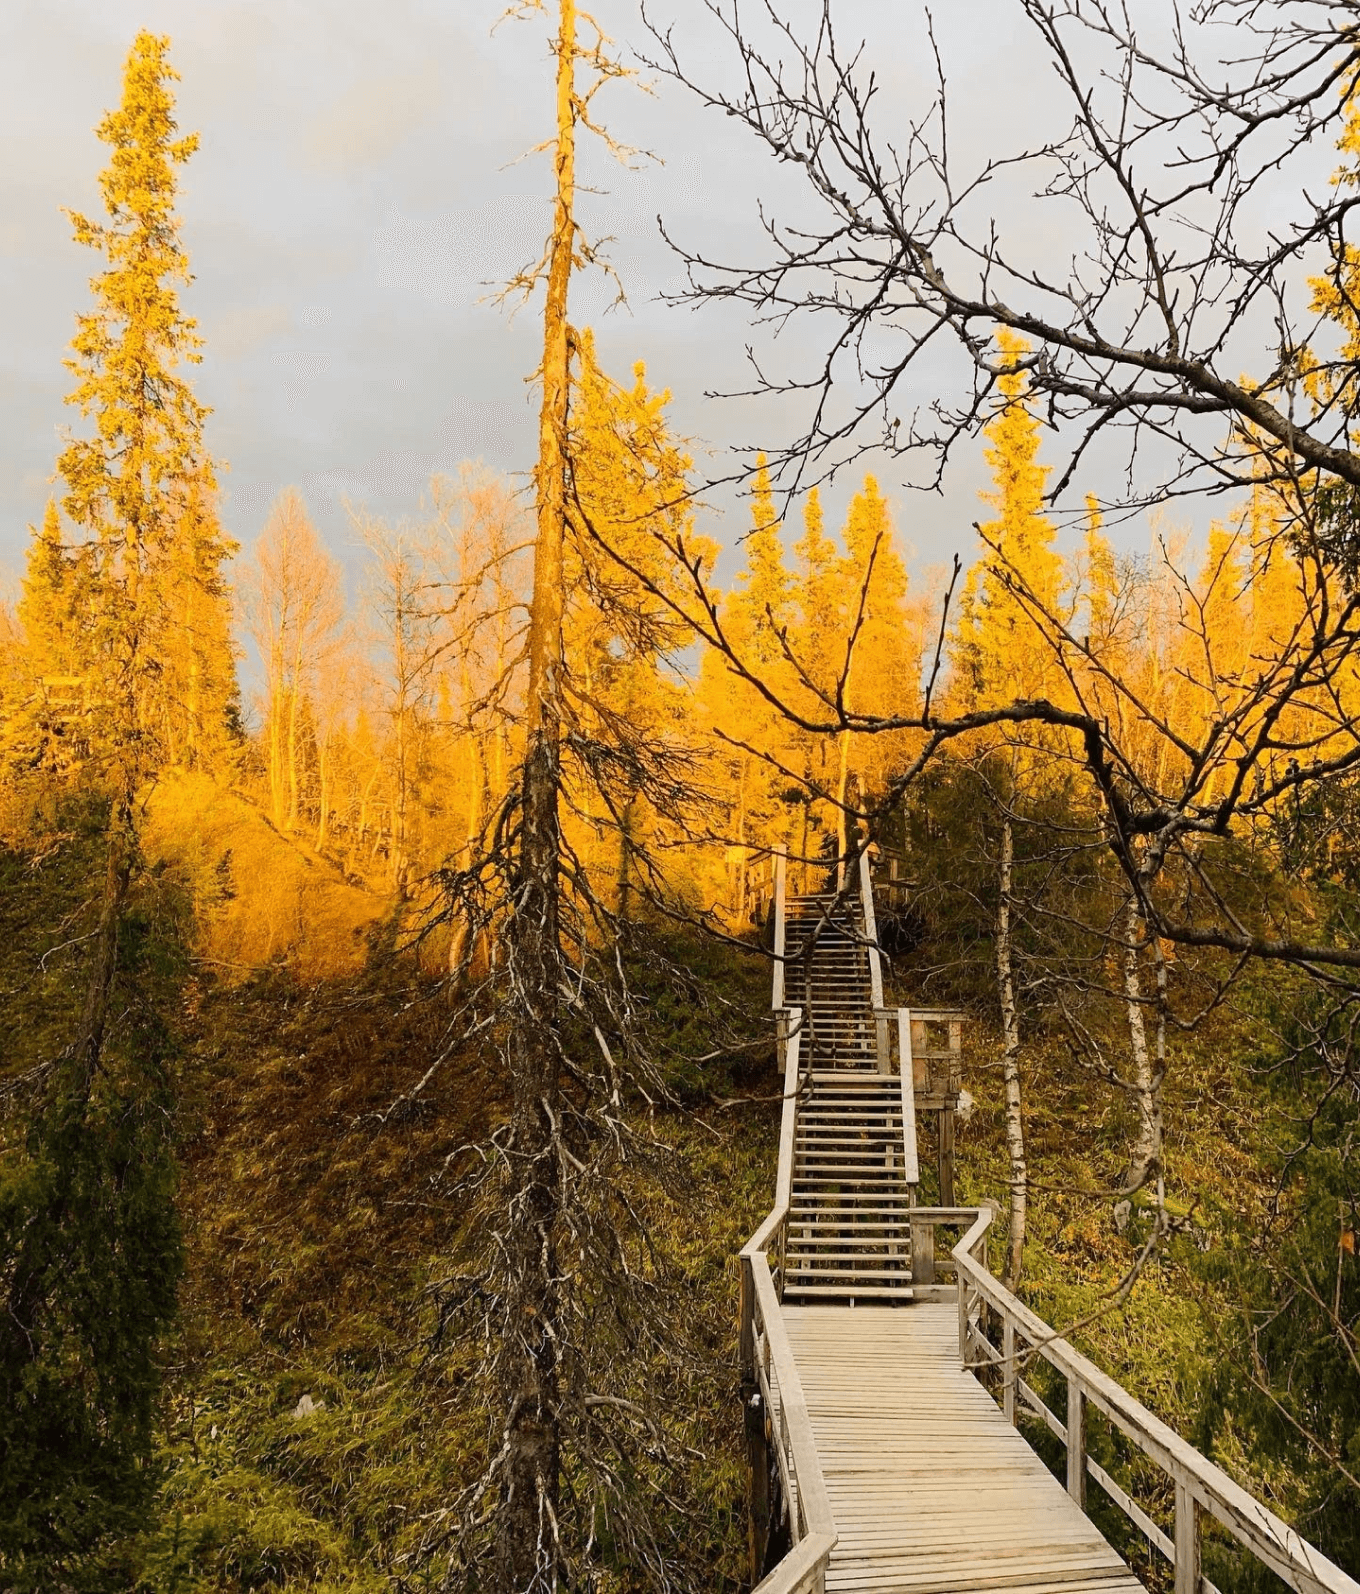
(357, 188)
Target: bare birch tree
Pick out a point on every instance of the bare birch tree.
(293, 605)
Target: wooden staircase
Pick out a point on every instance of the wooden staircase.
(849, 1233)
(826, 963)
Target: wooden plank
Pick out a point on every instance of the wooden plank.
(909, 1445)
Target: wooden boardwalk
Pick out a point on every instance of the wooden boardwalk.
(878, 1460)
(932, 1490)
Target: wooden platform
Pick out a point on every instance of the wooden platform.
(932, 1490)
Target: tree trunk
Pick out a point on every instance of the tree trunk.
(529, 1554)
(1146, 1154)
(323, 747)
(294, 782)
(842, 824)
(276, 738)
(1010, 1059)
(626, 857)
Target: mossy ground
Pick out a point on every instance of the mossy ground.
(309, 1435)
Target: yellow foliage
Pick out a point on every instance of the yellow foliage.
(262, 897)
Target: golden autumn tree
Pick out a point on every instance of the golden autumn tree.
(293, 607)
(144, 469)
(1335, 293)
(42, 731)
(820, 648)
(1002, 655)
(752, 739)
(879, 652)
(629, 505)
(197, 692)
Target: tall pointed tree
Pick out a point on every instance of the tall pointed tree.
(754, 613)
(129, 482)
(89, 1246)
(1002, 655)
(530, 1552)
(877, 657)
(629, 506)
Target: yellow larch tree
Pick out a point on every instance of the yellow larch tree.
(1214, 652)
(1002, 653)
(130, 485)
(881, 648)
(752, 740)
(629, 506)
(44, 728)
(819, 647)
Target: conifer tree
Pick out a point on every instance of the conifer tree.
(629, 504)
(88, 1233)
(1004, 656)
(820, 639)
(45, 608)
(43, 730)
(754, 614)
(130, 484)
(759, 607)
(878, 656)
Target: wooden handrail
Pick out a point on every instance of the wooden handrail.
(911, 1165)
(764, 1343)
(866, 897)
(1200, 1485)
(780, 871)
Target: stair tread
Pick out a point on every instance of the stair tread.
(857, 1292)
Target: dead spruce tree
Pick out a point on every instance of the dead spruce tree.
(560, 1284)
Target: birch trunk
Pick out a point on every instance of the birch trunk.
(276, 737)
(1010, 1059)
(294, 779)
(1146, 1154)
(323, 747)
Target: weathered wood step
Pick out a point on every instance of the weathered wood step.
(841, 1292)
(871, 1272)
(846, 1256)
(829, 1140)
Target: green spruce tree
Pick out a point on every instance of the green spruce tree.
(90, 1250)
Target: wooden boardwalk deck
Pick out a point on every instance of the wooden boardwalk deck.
(932, 1490)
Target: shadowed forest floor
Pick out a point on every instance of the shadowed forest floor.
(309, 1435)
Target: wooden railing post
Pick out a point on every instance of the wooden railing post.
(866, 897)
(780, 866)
(923, 1253)
(747, 1333)
(1188, 1548)
(1008, 1372)
(946, 1151)
(1076, 1442)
